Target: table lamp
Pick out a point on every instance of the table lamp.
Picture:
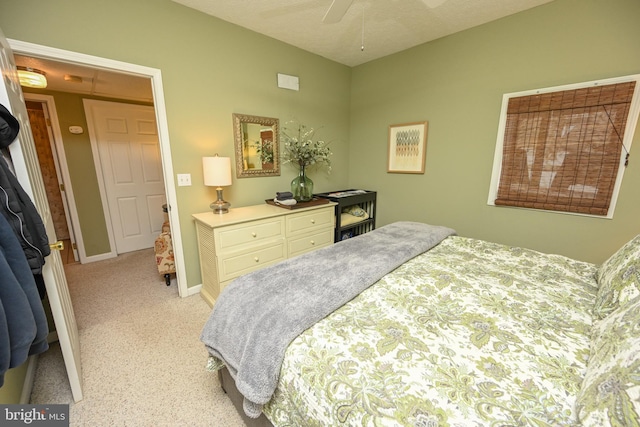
(217, 173)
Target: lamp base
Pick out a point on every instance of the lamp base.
(220, 206)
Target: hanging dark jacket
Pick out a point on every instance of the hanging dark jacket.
(23, 326)
(9, 126)
(15, 204)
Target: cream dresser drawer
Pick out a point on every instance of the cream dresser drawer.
(234, 265)
(252, 237)
(250, 233)
(309, 242)
(303, 222)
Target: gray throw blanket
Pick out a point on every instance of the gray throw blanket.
(258, 315)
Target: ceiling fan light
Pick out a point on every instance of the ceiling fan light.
(30, 77)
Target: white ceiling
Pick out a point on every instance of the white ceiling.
(390, 26)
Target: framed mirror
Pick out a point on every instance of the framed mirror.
(256, 145)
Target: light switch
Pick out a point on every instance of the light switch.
(184, 179)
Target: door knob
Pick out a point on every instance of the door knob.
(57, 246)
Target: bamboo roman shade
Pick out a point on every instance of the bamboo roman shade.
(562, 150)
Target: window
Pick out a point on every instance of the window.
(564, 149)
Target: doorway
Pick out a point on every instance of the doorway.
(40, 117)
(155, 79)
(124, 141)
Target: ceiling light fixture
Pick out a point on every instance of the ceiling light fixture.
(30, 77)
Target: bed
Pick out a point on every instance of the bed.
(463, 333)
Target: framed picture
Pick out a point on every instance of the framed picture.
(407, 147)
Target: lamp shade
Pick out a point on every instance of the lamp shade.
(217, 171)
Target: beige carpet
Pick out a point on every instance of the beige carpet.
(143, 362)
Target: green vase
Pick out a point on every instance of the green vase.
(302, 187)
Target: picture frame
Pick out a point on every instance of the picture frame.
(407, 147)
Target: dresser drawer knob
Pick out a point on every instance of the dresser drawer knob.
(256, 259)
(313, 221)
(313, 242)
(254, 234)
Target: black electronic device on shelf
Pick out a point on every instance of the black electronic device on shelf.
(355, 212)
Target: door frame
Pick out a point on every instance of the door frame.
(155, 75)
(62, 170)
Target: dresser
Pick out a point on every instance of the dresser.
(249, 238)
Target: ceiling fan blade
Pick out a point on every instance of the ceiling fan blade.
(336, 11)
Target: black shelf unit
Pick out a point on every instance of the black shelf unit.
(366, 201)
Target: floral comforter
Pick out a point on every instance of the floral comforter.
(470, 333)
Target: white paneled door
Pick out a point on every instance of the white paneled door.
(25, 162)
(125, 138)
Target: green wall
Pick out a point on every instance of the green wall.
(456, 83)
(210, 70)
(82, 173)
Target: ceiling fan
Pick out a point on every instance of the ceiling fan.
(339, 7)
(336, 11)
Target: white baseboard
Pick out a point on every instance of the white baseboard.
(193, 290)
(101, 257)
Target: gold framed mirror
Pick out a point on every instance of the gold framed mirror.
(257, 146)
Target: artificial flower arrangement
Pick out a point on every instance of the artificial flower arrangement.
(299, 147)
